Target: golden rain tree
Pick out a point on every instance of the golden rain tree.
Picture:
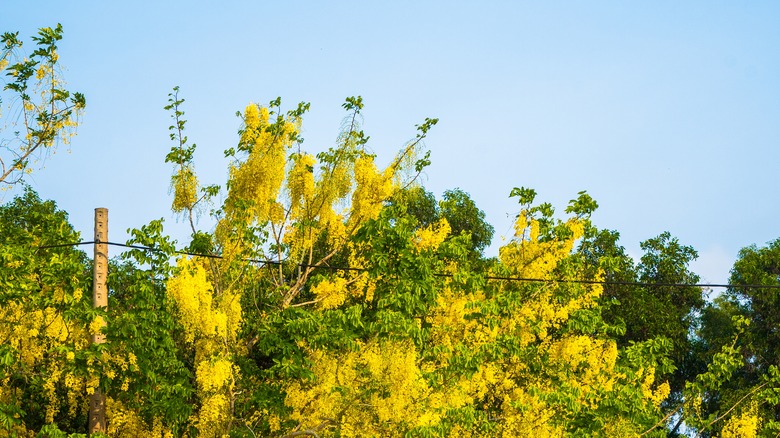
(44, 320)
(324, 303)
(432, 349)
(321, 308)
(34, 105)
(291, 211)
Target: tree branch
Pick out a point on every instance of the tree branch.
(731, 408)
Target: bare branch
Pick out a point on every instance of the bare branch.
(753, 391)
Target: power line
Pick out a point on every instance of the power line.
(487, 277)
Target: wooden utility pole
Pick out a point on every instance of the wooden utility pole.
(97, 403)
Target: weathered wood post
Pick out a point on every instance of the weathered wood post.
(97, 402)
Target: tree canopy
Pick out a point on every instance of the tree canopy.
(335, 296)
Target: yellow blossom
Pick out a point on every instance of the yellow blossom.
(185, 187)
(331, 293)
(97, 324)
(432, 236)
(744, 425)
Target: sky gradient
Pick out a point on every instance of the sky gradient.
(667, 113)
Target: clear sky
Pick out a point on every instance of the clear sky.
(666, 112)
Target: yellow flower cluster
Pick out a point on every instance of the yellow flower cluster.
(35, 335)
(660, 393)
(744, 425)
(97, 324)
(215, 375)
(535, 418)
(193, 295)
(50, 391)
(375, 389)
(588, 365)
(393, 366)
(75, 388)
(372, 188)
(532, 258)
(331, 293)
(185, 189)
(259, 178)
(214, 412)
(300, 184)
(211, 322)
(330, 191)
(124, 422)
(430, 237)
(43, 71)
(449, 325)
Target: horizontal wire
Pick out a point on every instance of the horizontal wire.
(487, 277)
(62, 245)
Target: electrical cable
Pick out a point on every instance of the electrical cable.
(487, 277)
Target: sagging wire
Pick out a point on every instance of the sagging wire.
(487, 277)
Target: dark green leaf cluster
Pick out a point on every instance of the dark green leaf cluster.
(466, 220)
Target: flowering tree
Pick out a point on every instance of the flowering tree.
(36, 110)
(407, 339)
(44, 319)
(331, 299)
(293, 211)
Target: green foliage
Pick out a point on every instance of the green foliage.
(524, 196)
(181, 153)
(142, 322)
(583, 206)
(389, 321)
(466, 219)
(661, 308)
(759, 266)
(42, 301)
(749, 317)
(456, 206)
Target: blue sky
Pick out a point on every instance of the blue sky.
(667, 113)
